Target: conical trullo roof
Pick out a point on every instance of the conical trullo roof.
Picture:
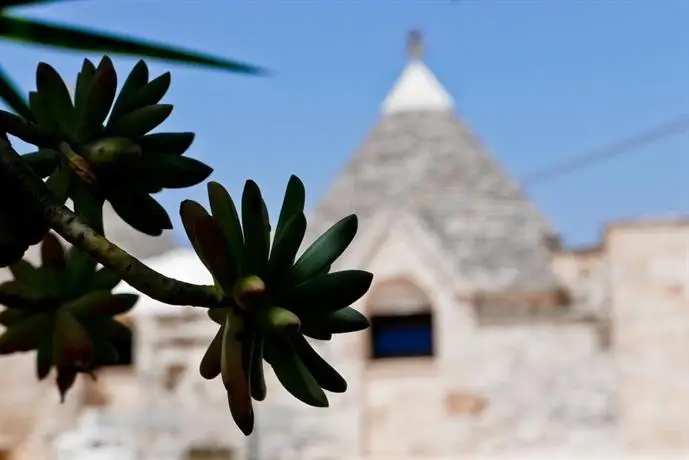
(421, 158)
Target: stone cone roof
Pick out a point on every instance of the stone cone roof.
(421, 158)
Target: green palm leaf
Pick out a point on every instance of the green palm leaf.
(76, 38)
(12, 97)
(11, 3)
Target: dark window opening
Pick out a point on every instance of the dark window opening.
(402, 336)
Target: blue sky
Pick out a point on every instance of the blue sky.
(538, 81)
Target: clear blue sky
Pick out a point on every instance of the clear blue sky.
(538, 81)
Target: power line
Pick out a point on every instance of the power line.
(618, 148)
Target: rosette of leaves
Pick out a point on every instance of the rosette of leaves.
(98, 145)
(273, 301)
(65, 311)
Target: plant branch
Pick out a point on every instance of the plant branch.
(71, 228)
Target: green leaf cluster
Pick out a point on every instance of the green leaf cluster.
(275, 300)
(64, 310)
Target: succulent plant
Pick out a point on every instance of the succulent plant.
(98, 145)
(65, 311)
(273, 301)
(267, 300)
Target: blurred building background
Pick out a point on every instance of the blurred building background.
(488, 336)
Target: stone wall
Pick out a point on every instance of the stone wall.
(649, 265)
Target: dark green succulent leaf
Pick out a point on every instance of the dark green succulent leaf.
(52, 252)
(136, 80)
(14, 295)
(213, 246)
(88, 205)
(325, 250)
(13, 97)
(149, 94)
(140, 121)
(101, 303)
(314, 331)
(60, 182)
(10, 316)
(105, 280)
(256, 229)
(81, 268)
(142, 212)
(42, 113)
(25, 334)
(342, 321)
(66, 376)
(25, 130)
(83, 86)
(43, 162)
(166, 143)
(285, 247)
(44, 357)
(75, 38)
(326, 376)
(97, 102)
(227, 218)
(291, 372)
(191, 212)
(292, 204)
(170, 171)
(56, 97)
(327, 293)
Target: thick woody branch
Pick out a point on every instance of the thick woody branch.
(71, 228)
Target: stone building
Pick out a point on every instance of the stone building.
(488, 338)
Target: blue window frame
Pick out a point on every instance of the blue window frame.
(402, 336)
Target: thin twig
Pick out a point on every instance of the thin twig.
(71, 228)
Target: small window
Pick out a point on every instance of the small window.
(402, 336)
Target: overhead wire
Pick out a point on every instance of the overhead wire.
(621, 147)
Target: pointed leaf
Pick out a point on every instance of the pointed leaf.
(72, 345)
(292, 204)
(171, 171)
(256, 229)
(97, 102)
(56, 97)
(327, 293)
(227, 218)
(136, 80)
(83, 86)
(26, 334)
(143, 213)
(285, 247)
(140, 121)
(341, 321)
(45, 33)
(189, 212)
(149, 94)
(52, 252)
(291, 372)
(326, 376)
(166, 143)
(213, 246)
(325, 250)
(101, 303)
